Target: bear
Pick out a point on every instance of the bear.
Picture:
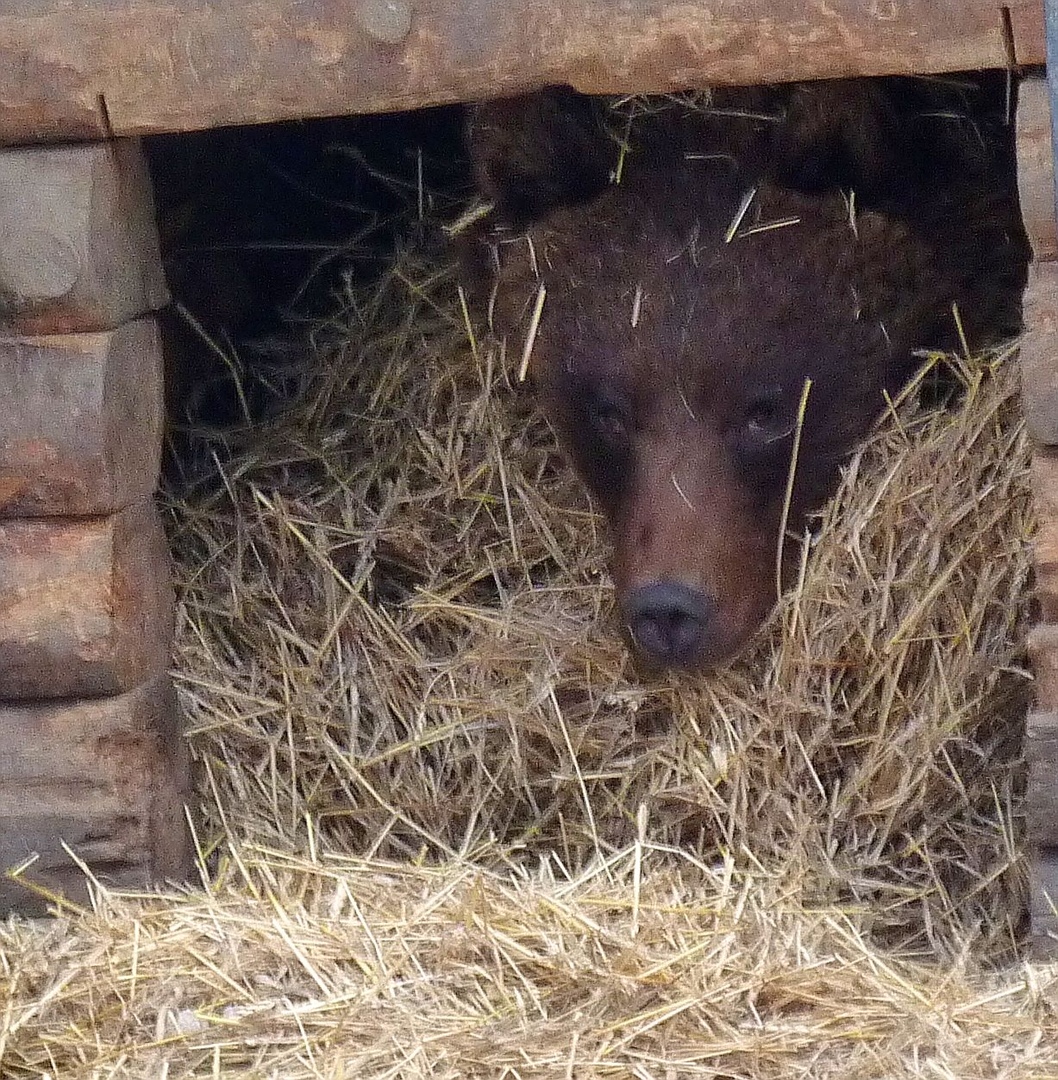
(715, 296)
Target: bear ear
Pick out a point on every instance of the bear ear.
(897, 274)
(538, 151)
(838, 133)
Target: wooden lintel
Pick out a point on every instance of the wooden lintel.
(137, 66)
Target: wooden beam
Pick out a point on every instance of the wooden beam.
(87, 70)
(1039, 359)
(86, 608)
(107, 777)
(1045, 500)
(81, 430)
(1043, 903)
(78, 243)
(1036, 168)
(1041, 755)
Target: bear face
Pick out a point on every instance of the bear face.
(709, 347)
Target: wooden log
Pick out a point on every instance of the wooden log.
(109, 777)
(1036, 168)
(1041, 755)
(1039, 353)
(1043, 903)
(1025, 36)
(81, 427)
(1045, 496)
(86, 608)
(136, 66)
(1043, 653)
(78, 242)
(1043, 900)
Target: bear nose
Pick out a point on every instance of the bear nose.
(669, 622)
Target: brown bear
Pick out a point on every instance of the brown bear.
(714, 296)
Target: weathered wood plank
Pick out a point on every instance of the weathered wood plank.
(1043, 652)
(86, 606)
(81, 427)
(78, 241)
(109, 777)
(1045, 497)
(1043, 900)
(1039, 354)
(1041, 755)
(1027, 39)
(1036, 167)
(135, 66)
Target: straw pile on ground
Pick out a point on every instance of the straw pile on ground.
(446, 832)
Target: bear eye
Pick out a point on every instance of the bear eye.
(766, 419)
(599, 428)
(609, 420)
(760, 440)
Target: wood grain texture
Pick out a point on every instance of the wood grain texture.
(1039, 353)
(81, 429)
(1045, 499)
(1041, 728)
(1043, 652)
(109, 777)
(1036, 168)
(86, 606)
(1041, 755)
(1043, 899)
(78, 241)
(135, 66)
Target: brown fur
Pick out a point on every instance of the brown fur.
(682, 424)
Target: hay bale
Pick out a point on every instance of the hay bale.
(449, 833)
(645, 965)
(396, 626)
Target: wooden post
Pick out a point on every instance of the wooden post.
(1039, 372)
(91, 752)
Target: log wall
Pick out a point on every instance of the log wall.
(1039, 367)
(92, 759)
